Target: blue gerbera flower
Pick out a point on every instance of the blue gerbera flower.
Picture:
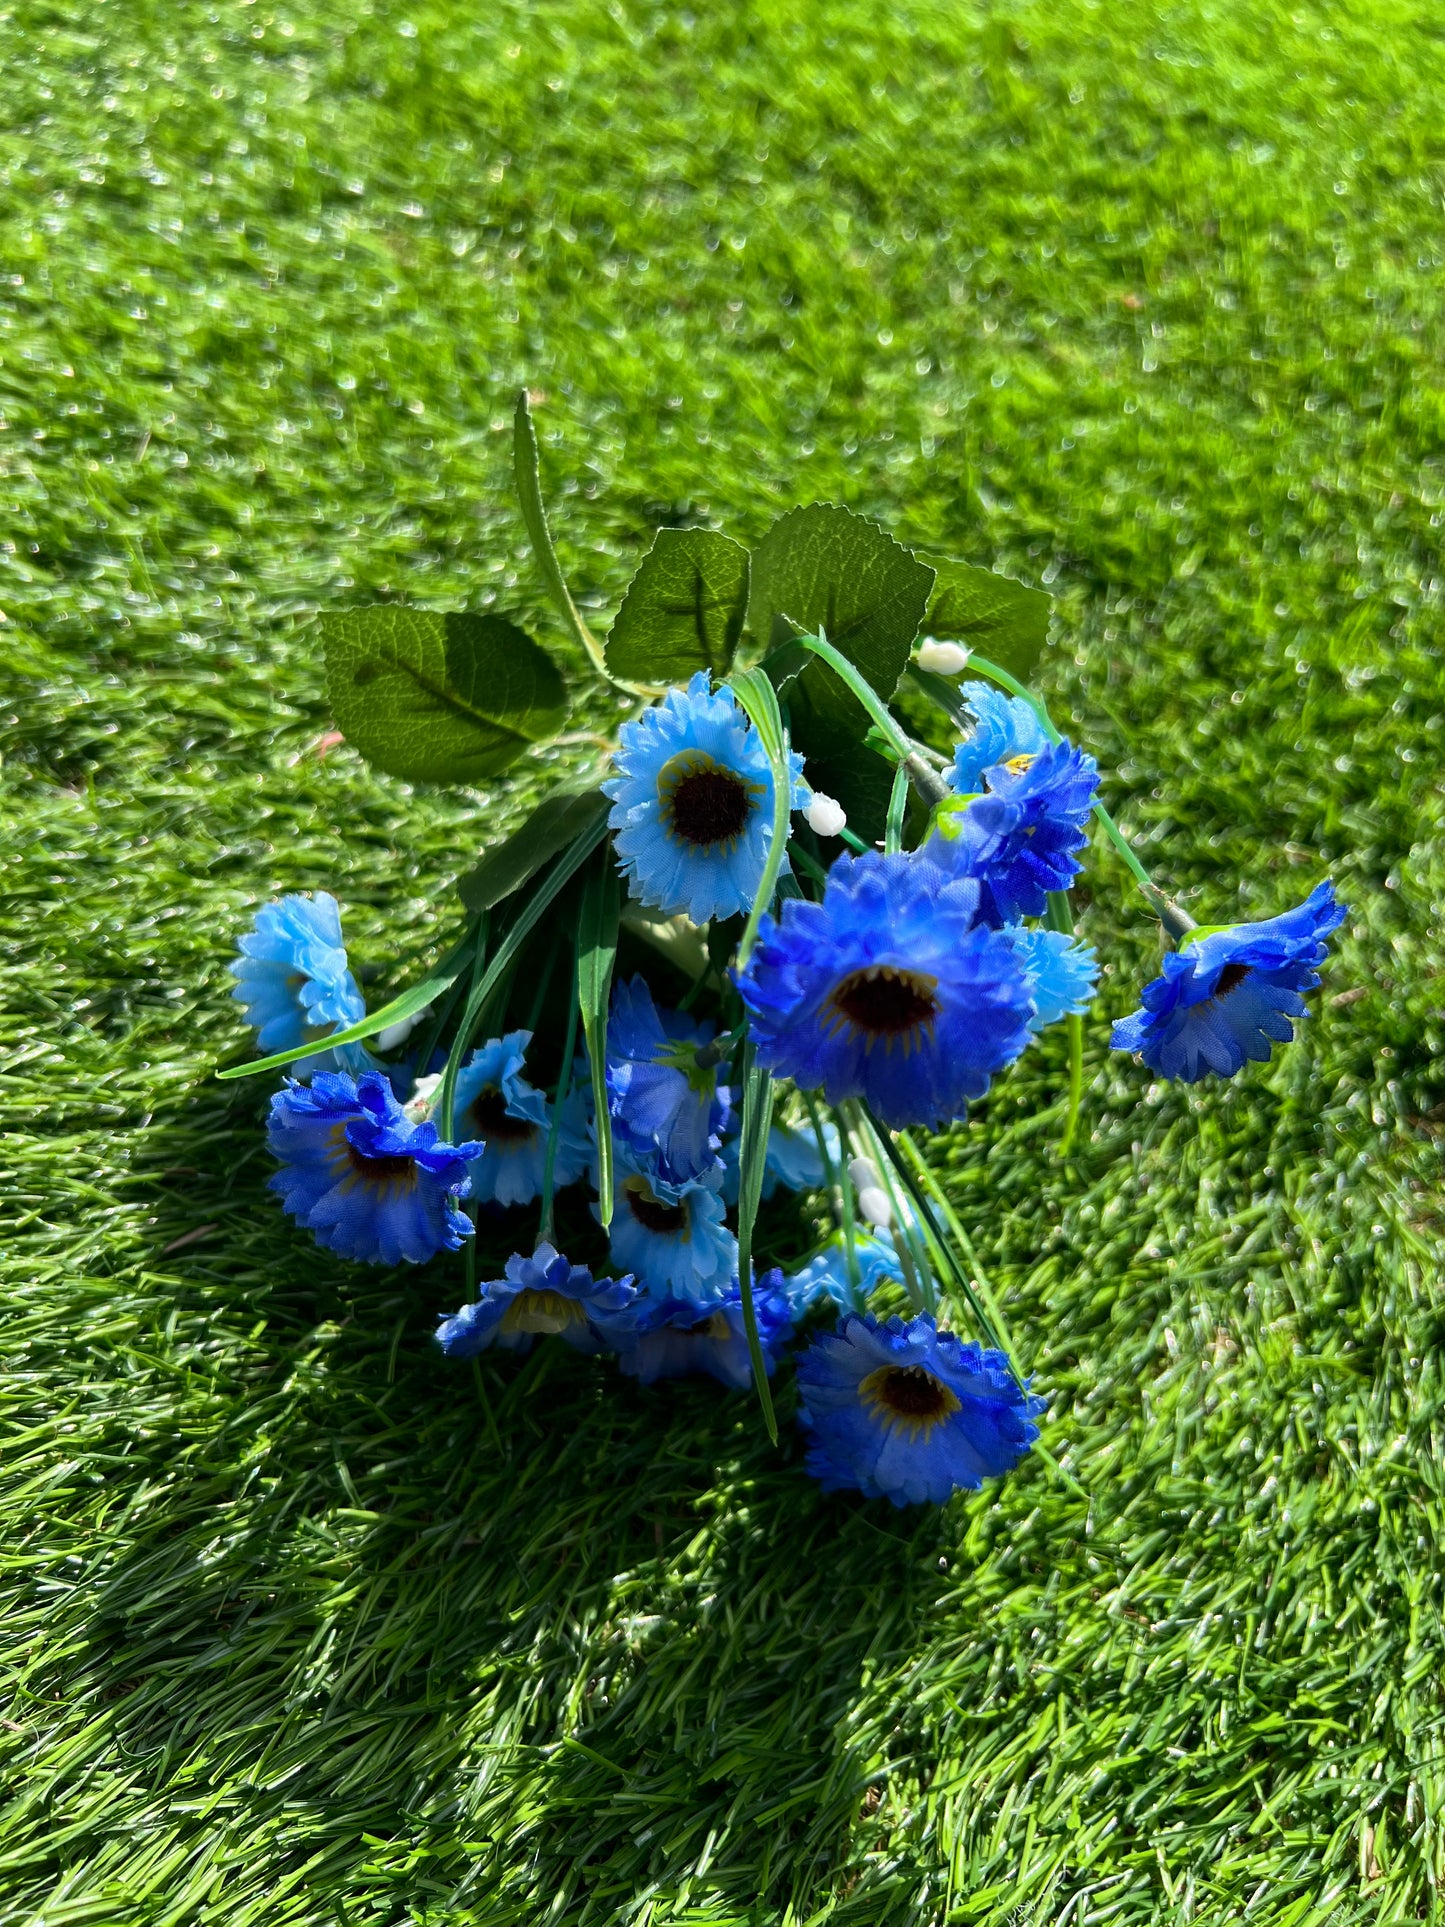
(540, 1295)
(495, 1102)
(672, 1235)
(293, 978)
(1061, 972)
(1021, 839)
(907, 1412)
(355, 1170)
(889, 989)
(825, 1275)
(673, 1337)
(1007, 730)
(1229, 995)
(665, 1106)
(692, 803)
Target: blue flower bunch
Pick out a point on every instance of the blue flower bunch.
(708, 999)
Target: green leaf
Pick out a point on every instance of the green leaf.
(555, 822)
(999, 617)
(831, 571)
(439, 698)
(683, 610)
(408, 1004)
(596, 955)
(752, 1156)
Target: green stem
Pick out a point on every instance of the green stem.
(752, 1152)
(863, 690)
(554, 1129)
(991, 1320)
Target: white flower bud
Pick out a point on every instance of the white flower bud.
(864, 1174)
(942, 658)
(825, 815)
(398, 1032)
(875, 1207)
(419, 1105)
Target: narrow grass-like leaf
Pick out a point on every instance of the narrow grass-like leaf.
(504, 868)
(596, 956)
(408, 1004)
(752, 1156)
(564, 1086)
(897, 804)
(527, 471)
(439, 698)
(683, 610)
(558, 877)
(760, 700)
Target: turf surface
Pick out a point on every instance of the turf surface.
(1142, 303)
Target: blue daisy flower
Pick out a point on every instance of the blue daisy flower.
(495, 1103)
(792, 1160)
(672, 1236)
(825, 1275)
(371, 1184)
(907, 1412)
(889, 990)
(674, 1337)
(294, 981)
(692, 803)
(541, 1295)
(1061, 972)
(665, 1107)
(1229, 995)
(1007, 730)
(1021, 839)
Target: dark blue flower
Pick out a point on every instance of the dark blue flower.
(672, 1236)
(692, 803)
(666, 1108)
(889, 989)
(907, 1412)
(540, 1295)
(1021, 839)
(1229, 995)
(355, 1170)
(294, 980)
(671, 1337)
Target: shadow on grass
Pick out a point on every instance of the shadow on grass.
(572, 1639)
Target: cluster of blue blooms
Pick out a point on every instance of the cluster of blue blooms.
(882, 992)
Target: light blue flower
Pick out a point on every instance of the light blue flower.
(674, 1337)
(495, 1103)
(671, 1236)
(792, 1160)
(355, 1170)
(1007, 728)
(542, 1295)
(1061, 972)
(669, 1110)
(825, 1275)
(692, 804)
(907, 1412)
(294, 981)
(1228, 997)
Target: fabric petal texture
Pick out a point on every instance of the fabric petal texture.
(692, 803)
(906, 1412)
(669, 1112)
(667, 1337)
(672, 1236)
(294, 981)
(540, 1296)
(495, 1103)
(1227, 999)
(890, 989)
(357, 1172)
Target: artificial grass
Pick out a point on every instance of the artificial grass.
(304, 1626)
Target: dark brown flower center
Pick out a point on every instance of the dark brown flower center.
(490, 1118)
(667, 1220)
(382, 1170)
(1230, 978)
(703, 803)
(886, 1002)
(908, 1396)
